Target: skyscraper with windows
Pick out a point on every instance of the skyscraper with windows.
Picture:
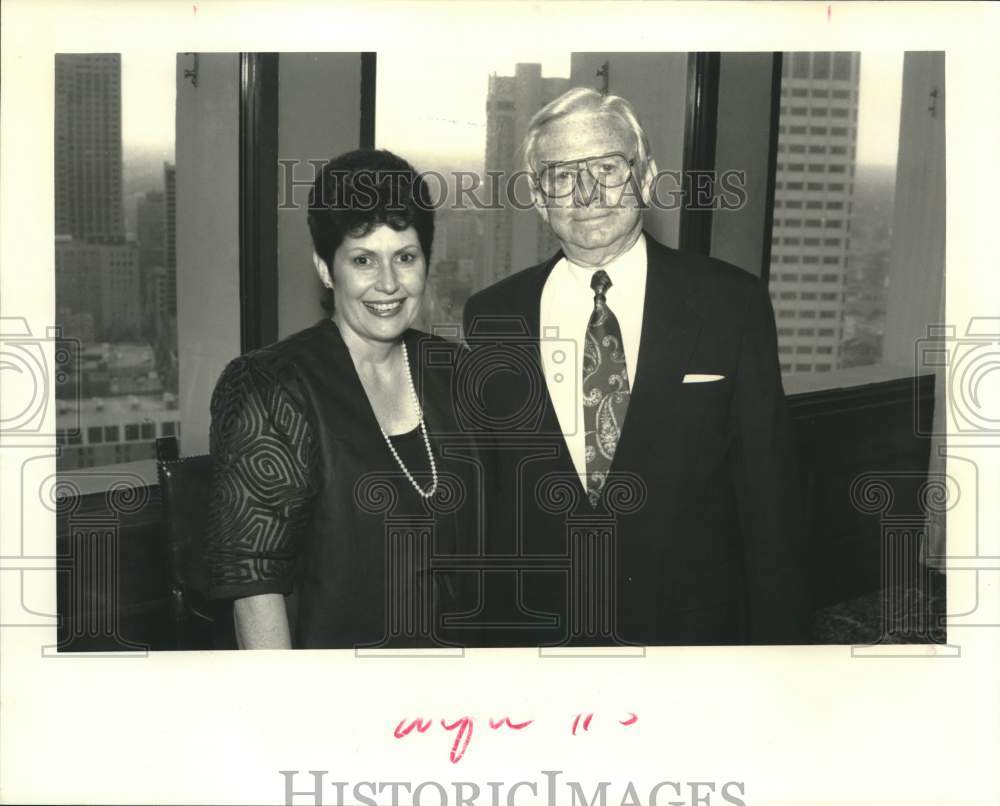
(170, 234)
(88, 147)
(150, 225)
(814, 184)
(101, 280)
(515, 238)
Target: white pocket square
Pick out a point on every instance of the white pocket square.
(696, 378)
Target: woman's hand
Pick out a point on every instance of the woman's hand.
(262, 622)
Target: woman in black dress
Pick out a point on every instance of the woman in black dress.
(341, 480)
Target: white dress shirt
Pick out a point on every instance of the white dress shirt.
(567, 303)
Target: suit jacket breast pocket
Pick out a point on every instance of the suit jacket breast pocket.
(710, 397)
(703, 414)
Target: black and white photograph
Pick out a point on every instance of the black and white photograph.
(691, 469)
(537, 387)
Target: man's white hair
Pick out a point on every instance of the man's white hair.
(583, 99)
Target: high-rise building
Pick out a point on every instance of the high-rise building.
(151, 217)
(170, 233)
(814, 184)
(88, 147)
(101, 281)
(157, 300)
(151, 227)
(114, 428)
(111, 292)
(514, 238)
(458, 236)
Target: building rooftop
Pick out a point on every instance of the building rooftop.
(94, 411)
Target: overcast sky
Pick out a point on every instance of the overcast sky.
(149, 96)
(437, 107)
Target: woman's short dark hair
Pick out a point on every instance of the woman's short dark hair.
(363, 189)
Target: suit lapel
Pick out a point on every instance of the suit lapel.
(533, 316)
(670, 328)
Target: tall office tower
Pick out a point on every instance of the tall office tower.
(151, 219)
(157, 300)
(170, 234)
(88, 147)
(814, 184)
(514, 238)
(102, 282)
(150, 225)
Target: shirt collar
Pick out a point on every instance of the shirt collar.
(624, 270)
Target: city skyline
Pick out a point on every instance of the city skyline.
(841, 306)
(115, 292)
(117, 295)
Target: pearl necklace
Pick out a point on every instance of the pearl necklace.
(423, 430)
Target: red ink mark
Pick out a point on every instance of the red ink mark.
(419, 724)
(513, 725)
(464, 726)
(827, 13)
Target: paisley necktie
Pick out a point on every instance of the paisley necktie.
(605, 387)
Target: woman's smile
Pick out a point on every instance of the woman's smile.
(385, 309)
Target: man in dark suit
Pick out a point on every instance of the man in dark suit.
(644, 489)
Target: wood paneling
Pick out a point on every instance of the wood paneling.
(840, 436)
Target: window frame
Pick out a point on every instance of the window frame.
(258, 187)
(258, 199)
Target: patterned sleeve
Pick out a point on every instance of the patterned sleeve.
(263, 479)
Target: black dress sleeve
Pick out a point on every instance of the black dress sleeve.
(263, 480)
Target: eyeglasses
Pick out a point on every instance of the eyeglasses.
(608, 170)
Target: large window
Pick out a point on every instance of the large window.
(115, 255)
(472, 132)
(475, 127)
(844, 174)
